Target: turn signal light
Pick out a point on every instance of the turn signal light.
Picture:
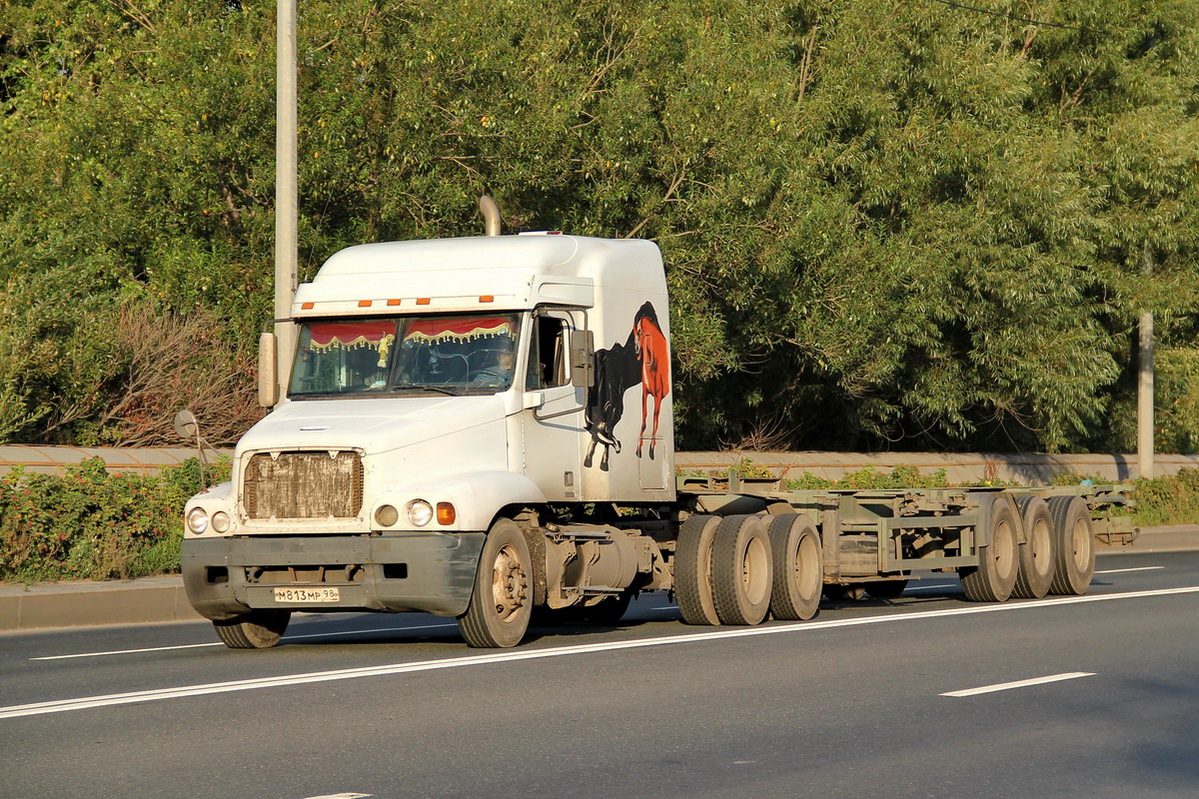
(446, 513)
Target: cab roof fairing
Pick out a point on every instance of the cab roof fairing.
(517, 271)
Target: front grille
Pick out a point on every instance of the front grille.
(303, 485)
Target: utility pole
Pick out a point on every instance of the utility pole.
(286, 190)
(1145, 382)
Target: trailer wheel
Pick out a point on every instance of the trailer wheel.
(798, 571)
(741, 573)
(840, 592)
(693, 570)
(994, 577)
(1074, 545)
(502, 601)
(258, 629)
(1036, 554)
(886, 589)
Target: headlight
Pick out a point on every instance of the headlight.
(420, 512)
(197, 520)
(220, 521)
(387, 515)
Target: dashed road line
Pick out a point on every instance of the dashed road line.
(1007, 686)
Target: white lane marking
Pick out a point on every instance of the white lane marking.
(218, 643)
(507, 656)
(342, 796)
(667, 607)
(1007, 686)
(1137, 569)
(947, 586)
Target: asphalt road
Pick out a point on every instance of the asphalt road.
(852, 704)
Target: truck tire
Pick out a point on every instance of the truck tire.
(741, 573)
(798, 570)
(258, 629)
(1073, 545)
(886, 589)
(993, 579)
(502, 600)
(693, 570)
(1036, 553)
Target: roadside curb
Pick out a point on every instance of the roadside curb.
(163, 599)
(84, 603)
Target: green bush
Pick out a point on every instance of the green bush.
(1173, 499)
(870, 478)
(87, 524)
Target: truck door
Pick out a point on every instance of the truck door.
(552, 421)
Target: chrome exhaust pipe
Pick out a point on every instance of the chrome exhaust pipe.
(491, 215)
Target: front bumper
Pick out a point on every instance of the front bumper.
(430, 572)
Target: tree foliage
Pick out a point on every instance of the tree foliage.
(894, 224)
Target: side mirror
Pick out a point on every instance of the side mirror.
(582, 358)
(268, 380)
(186, 426)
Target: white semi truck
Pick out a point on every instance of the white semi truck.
(481, 428)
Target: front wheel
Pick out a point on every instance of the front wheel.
(502, 600)
(258, 629)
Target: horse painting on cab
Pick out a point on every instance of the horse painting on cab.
(654, 353)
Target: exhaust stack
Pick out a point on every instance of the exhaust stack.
(491, 215)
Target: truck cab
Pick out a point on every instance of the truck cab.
(446, 395)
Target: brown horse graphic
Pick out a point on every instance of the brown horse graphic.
(654, 353)
(643, 358)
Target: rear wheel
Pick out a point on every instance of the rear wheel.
(741, 573)
(994, 577)
(693, 570)
(258, 629)
(1036, 553)
(502, 600)
(1074, 545)
(798, 571)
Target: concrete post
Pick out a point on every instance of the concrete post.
(286, 190)
(1145, 383)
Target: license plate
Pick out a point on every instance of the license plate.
(307, 595)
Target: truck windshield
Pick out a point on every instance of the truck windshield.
(436, 353)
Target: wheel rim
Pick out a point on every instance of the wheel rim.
(508, 583)
(1040, 542)
(1003, 551)
(1081, 542)
(807, 580)
(755, 570)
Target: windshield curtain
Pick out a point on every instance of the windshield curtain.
(443, 353)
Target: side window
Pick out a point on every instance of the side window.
(548, 353)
